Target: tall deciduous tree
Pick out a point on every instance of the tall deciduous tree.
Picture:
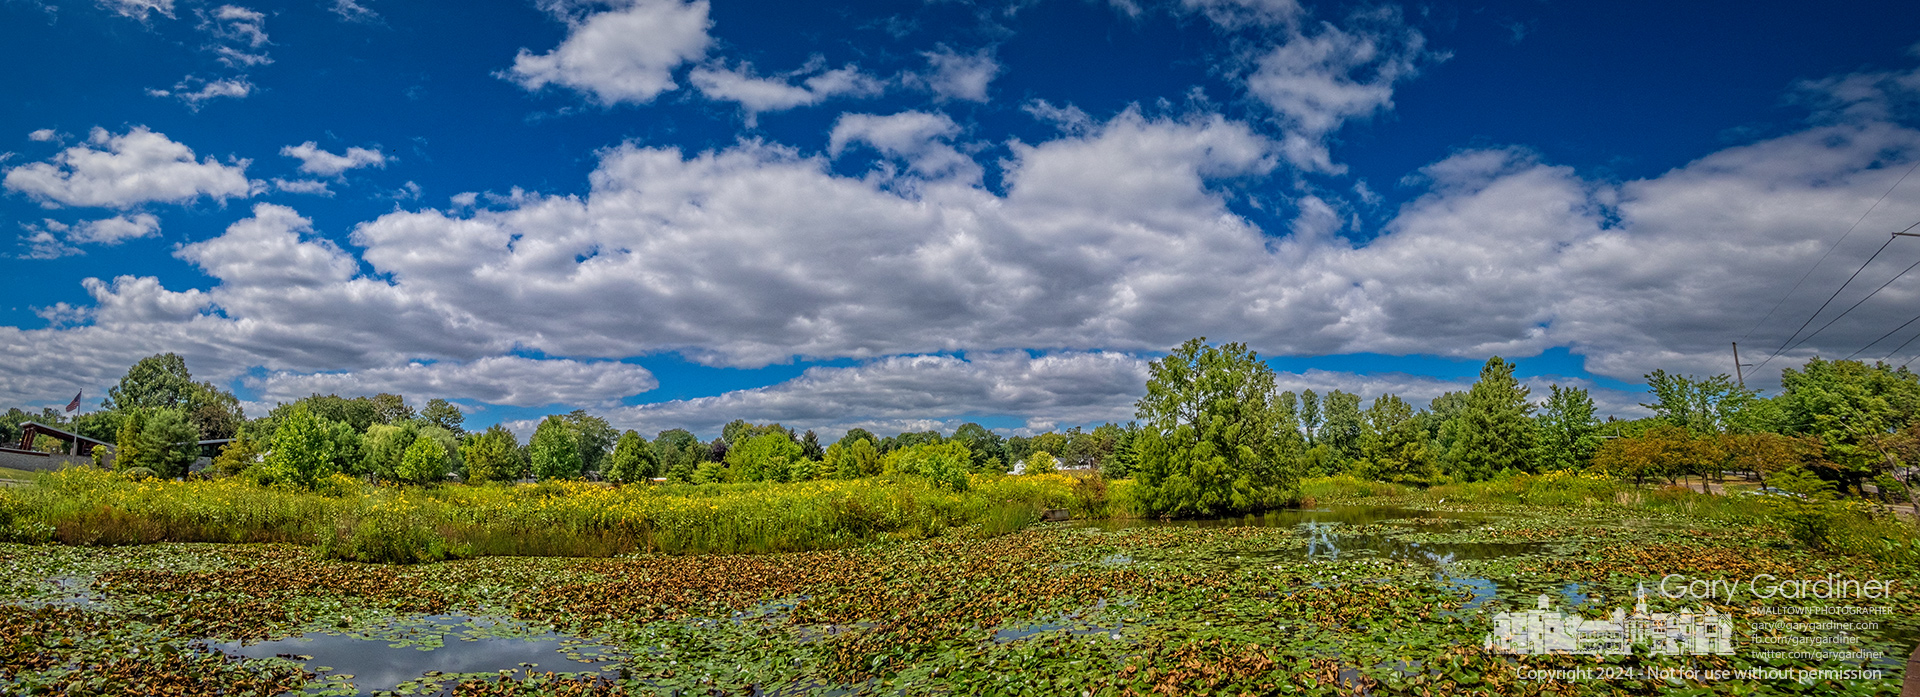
(1494, 430)
(1209, 433)
(391, 408)
(1569, 433)
(593, 438)
(1848, 405)
(439, 412)
(553, 451)
(384, 447)
(1705, 406)
(632, 460)
(767, 457)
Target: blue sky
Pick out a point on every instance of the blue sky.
(910, 215)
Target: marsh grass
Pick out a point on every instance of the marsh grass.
(1851, 528)
(349, 520)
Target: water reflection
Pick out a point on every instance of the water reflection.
(463, 646)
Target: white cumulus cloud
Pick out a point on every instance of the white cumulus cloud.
(623, 55)
(119, 171)
(510, 380)
(960, 76)
(315, 160)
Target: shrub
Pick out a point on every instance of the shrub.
(303, 451)
(1041, 462)
(387, 532)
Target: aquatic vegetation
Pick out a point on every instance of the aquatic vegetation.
(902, 587)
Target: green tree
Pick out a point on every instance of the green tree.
(242, 453)
(1342, 426)
(854, 434)
(767, 457)
(155, 382)
(129, 445)
(1310, 416)
(1848, 405)
(215, 412)
(593, 438)
(945, 464)
(553, 451)
(439, 412)
(302, 452)
(169, 443)
(985, 445)
(493, 456)
(855, 460)
(1569, 433)
(1209, 433)
(1394, 445)
(736, 431)
(425, 462)
(385, 446)
(391, 408)
(632, 461)
(1704, 406)
(1040, 462)
(1493, 431)
(679, 453)
(810, 446)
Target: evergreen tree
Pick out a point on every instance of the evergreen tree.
(1394, 444)
(169, 443)
(553, 452)
(1493, 431)
(1342, 425)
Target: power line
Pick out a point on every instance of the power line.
(1903, 345)
(1856, 304)
(1882, 336)
(1823, 257)
(1823, 306)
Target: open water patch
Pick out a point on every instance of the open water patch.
(430, 648)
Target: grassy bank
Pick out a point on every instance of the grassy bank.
(350, 520)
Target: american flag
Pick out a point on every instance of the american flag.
(75, 404)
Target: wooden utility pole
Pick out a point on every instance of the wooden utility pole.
(1738, 367)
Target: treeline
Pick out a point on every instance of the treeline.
(157, 413)
(1213, 435)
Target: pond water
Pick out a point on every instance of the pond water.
(1291, 517)
(433, 645)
